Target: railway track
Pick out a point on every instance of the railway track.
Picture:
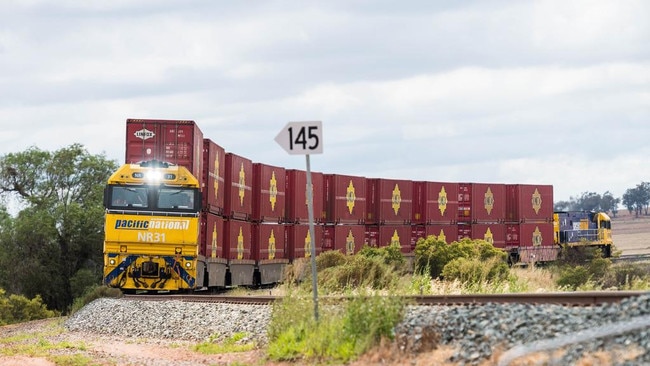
(631, 258)
(560, 298)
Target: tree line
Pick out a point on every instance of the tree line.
(52, 221)
(636, 200)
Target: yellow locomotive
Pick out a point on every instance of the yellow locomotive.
(152, 228)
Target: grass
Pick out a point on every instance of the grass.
(232, 344)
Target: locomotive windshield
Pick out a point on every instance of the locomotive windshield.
(158, 198)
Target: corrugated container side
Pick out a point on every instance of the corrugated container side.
(214, 170)
(533, 241)
(534, 234)
(239, 196)
(417, 232)
(349, 239)
(444, 232)
(492, 233)
(269, 198)
(395, 234)
(481, 202)
(211, 236)
(418, 216)
(390, 201)
(175, 141)
(528, 202)
(345, 199)
(299, 240)
(296, 196)
(441, 202)
(238, 236)
(464, 231)
(269, 242)
(372, 236)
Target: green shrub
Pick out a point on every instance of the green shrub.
(572, 277)
(330, 258)
(342, 333)
(474, 271)
(390, 255)
(627, 276)
(17, 309)
(358, 271)
(435, 255)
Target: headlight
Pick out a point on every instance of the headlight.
(112, 262)
(188, 265)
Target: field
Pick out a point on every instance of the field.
(631, 234)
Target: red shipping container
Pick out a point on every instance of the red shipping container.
(464, 231)
(347, 239)
(213, 249)
(212, 236)
(494, 234)
(435, 202)
(174, 141)
(389, 201)
(214, 170)
(481, 202)
(268, 193)
(296, 196)
(239, 196)
(417, 232)
(238, 240)
(529, 235)
(299, 240)
(445, 232)
(532, 242)
(269, 242)
(345, 199)
(372, 236)
(396, 234)
(529, 203)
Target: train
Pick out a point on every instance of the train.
(184, 214)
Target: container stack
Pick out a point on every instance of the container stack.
(346, 203)
(269, 214)
(389, 213)
(529, 222)
(299, 239)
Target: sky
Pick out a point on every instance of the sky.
(531, 92)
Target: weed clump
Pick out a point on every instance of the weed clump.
(344, 330)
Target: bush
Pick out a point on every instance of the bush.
(573, 277)
(330, 258)
(390, 255)
(435, 255)
(17, 309)
(358, 271)
(627, 276)
(342, 333)
(475, 271)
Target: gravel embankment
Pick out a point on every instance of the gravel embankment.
(477, 331)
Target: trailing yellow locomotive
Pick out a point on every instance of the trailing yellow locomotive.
(152, 228)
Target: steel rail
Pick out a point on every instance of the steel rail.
(590, 298)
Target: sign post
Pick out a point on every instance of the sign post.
(305, 138)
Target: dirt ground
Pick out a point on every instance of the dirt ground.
(631, 236)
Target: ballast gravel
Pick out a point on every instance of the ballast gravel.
(475, 331)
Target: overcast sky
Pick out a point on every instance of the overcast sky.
(548, 92)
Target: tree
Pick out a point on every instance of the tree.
(637, 199)
(609, 204)
(60, 229)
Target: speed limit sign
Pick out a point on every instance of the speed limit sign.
(301, 138)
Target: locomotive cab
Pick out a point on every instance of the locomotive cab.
(151, 228)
